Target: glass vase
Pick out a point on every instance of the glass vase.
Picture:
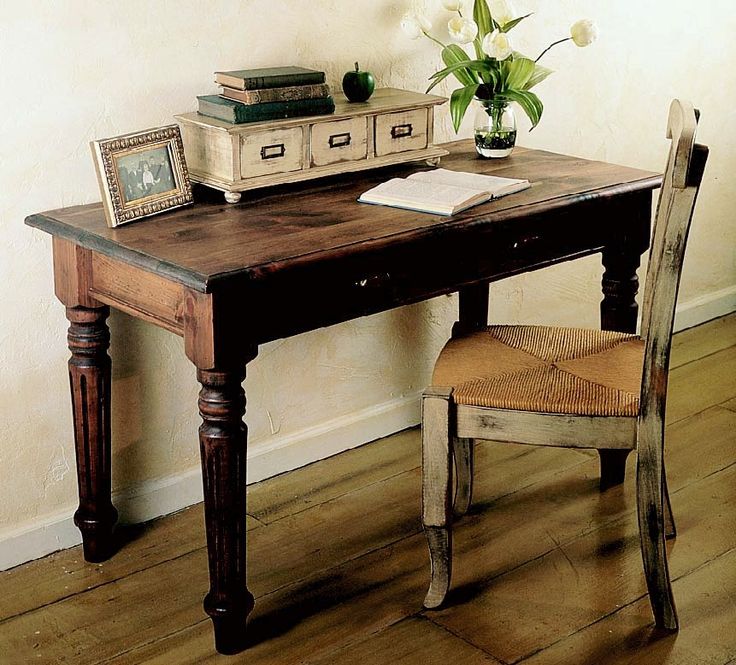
(494, 128)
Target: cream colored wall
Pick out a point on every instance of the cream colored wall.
(77, 70)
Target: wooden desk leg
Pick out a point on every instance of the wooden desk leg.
(473, 309)
(223, 438)
(89, 375)
(620, 285)
(619, 311)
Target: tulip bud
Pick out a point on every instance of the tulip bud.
(584, 32)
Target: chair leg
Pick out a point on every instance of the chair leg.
(650, 488)
(670, 530)
(463, 453)
(437, 490)
(439, 540)
(613, 467)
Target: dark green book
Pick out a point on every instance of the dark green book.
(237, 113)
(268, 77)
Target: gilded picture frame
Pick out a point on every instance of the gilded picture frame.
(141, 174)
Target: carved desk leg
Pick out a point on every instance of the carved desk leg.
(215, 340)
(619, 310)
(620, 285)
(89, 375)
(222, 438)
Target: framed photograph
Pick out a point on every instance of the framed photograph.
(141, 174)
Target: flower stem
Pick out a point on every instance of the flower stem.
(559, 41)
(436, 41)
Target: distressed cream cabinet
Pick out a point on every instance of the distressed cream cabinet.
(393, 126)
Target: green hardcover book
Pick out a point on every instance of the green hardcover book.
(238, 113)
(269, 77)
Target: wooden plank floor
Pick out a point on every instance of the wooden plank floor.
(547, 568)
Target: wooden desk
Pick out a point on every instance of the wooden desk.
(230, 277)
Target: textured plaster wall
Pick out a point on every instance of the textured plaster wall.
(77, 70)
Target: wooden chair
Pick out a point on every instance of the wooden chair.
(569, 387)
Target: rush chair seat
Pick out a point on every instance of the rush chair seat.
(569, 387)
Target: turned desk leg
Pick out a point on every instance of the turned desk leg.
(89, 376)
(620, 285)
(223, 438)
(619, 311)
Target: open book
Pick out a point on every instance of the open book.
(441, 192)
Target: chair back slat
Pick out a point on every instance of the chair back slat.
(680, 187)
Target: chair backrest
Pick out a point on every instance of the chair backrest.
(682, 178)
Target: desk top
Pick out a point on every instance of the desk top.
(212, 241)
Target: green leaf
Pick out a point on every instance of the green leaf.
(518, 73)
(459, 101)
(463, 71)
(529, 102)
(513, 23)
(453, 54)
(482, 18)
(540, 73)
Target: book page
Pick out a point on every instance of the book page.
(420, 195)
(494, 185)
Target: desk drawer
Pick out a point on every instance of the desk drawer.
(323, 292)
(339, 141)
(271, 151)
(398, 132)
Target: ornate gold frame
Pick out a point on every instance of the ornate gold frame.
(105, 151)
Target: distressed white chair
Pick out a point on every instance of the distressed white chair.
(569, 387)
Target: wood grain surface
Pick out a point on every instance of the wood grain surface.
(299, 224)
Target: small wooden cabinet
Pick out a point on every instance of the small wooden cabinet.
(392, 127)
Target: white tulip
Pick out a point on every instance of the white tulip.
(462, 30)
(414, 25)
(497, 45)
(452, 5)
(502, 11)
(584, 32)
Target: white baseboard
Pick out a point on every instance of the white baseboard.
(52, 533)
(166, 495)
(332, 436)
(707, 307)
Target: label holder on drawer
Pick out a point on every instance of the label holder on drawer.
(273, 151)
(402, 131)
(339, 140)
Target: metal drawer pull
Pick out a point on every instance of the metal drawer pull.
(401, 131)
(374, 281)
(273, 151)
(339, 140)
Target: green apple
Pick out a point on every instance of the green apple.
(358, 86)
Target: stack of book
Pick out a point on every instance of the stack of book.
(273, 93)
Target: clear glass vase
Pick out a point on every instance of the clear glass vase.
(494, 128)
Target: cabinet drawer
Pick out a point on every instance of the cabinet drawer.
(397, 132)
(271, 151)
(339, 141)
